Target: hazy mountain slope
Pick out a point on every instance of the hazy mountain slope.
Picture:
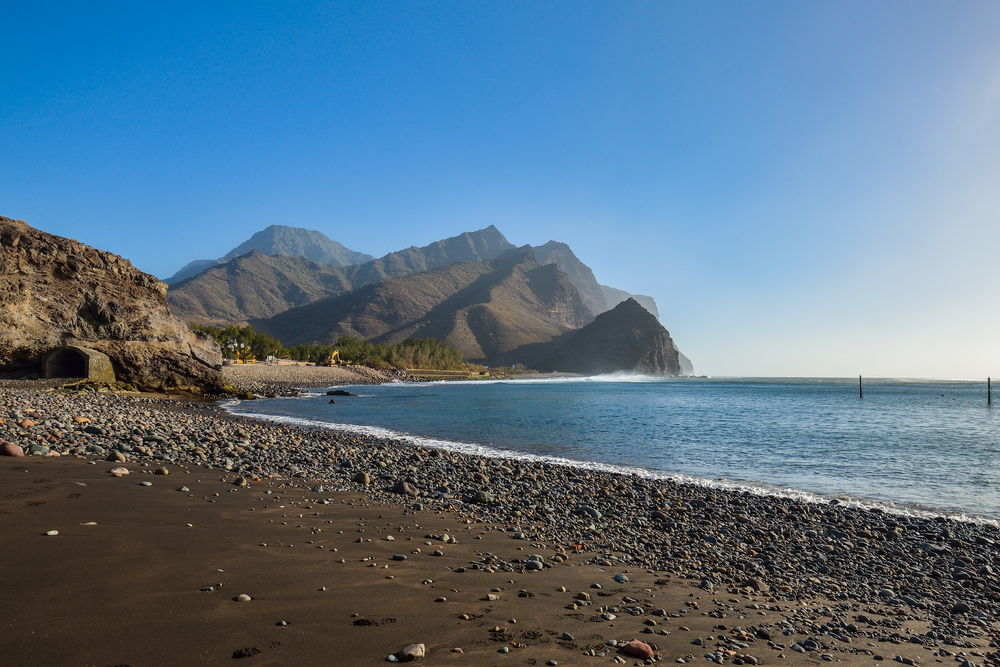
(281, 240)
(191, 269)
(582, 276)
(254, 286)
(687, 368)
(486, 309)
(232, 292)
(298, 242)
(626, 338)
(615, 296)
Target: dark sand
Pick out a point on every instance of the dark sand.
(126, 591)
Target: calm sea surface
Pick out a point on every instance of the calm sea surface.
(914, 445)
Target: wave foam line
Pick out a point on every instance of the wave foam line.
(754, 488)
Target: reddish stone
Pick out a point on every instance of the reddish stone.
(638, 649)
(480, 477)
(10, 449)
(25, 423)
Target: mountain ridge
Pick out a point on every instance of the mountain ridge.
(487, 309)
(256, 286)
(283, 240)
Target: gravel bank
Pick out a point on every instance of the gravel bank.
(264, 379)
(833, 582)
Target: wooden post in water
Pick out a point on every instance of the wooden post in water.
(861, 388)
(989, 392)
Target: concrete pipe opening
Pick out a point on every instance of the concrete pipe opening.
(66, 363)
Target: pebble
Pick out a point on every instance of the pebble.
(243, 597)
(145, 484)
(52, 533)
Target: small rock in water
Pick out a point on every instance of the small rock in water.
(398, 557)
(243, 597)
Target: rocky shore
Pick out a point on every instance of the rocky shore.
(264, 379)
(698, 573)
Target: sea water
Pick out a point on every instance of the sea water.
(909, 446)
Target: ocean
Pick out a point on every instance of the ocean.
(910, 446)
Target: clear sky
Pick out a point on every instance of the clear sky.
(806, 188)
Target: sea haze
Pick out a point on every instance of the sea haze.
(910, 446)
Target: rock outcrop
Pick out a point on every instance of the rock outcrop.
(57, 292)
(626, 338)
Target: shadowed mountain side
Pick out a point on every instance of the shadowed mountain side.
(256, 286)
(615, 296)
(485, 309)
(626, 338)
(298, 242)
(579, 273)
(191, 269)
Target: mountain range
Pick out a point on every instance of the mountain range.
(495, 302)
(488, 309)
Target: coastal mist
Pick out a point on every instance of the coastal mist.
(907, 446)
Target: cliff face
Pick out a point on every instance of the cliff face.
(626, 338)
(56, 291)
(486, 309)
(579, 273)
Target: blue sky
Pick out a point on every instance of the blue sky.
(805, 188)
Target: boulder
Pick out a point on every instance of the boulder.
(10, 449)
(59, 293)
(638, 649)
(413, 652)
(405, 488)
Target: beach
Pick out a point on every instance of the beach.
(490, 561)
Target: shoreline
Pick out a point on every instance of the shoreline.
(759, 488)
(799, 557)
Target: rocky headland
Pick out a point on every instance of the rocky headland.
(57, 292)
(627, 338)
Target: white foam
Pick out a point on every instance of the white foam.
(755, 488)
